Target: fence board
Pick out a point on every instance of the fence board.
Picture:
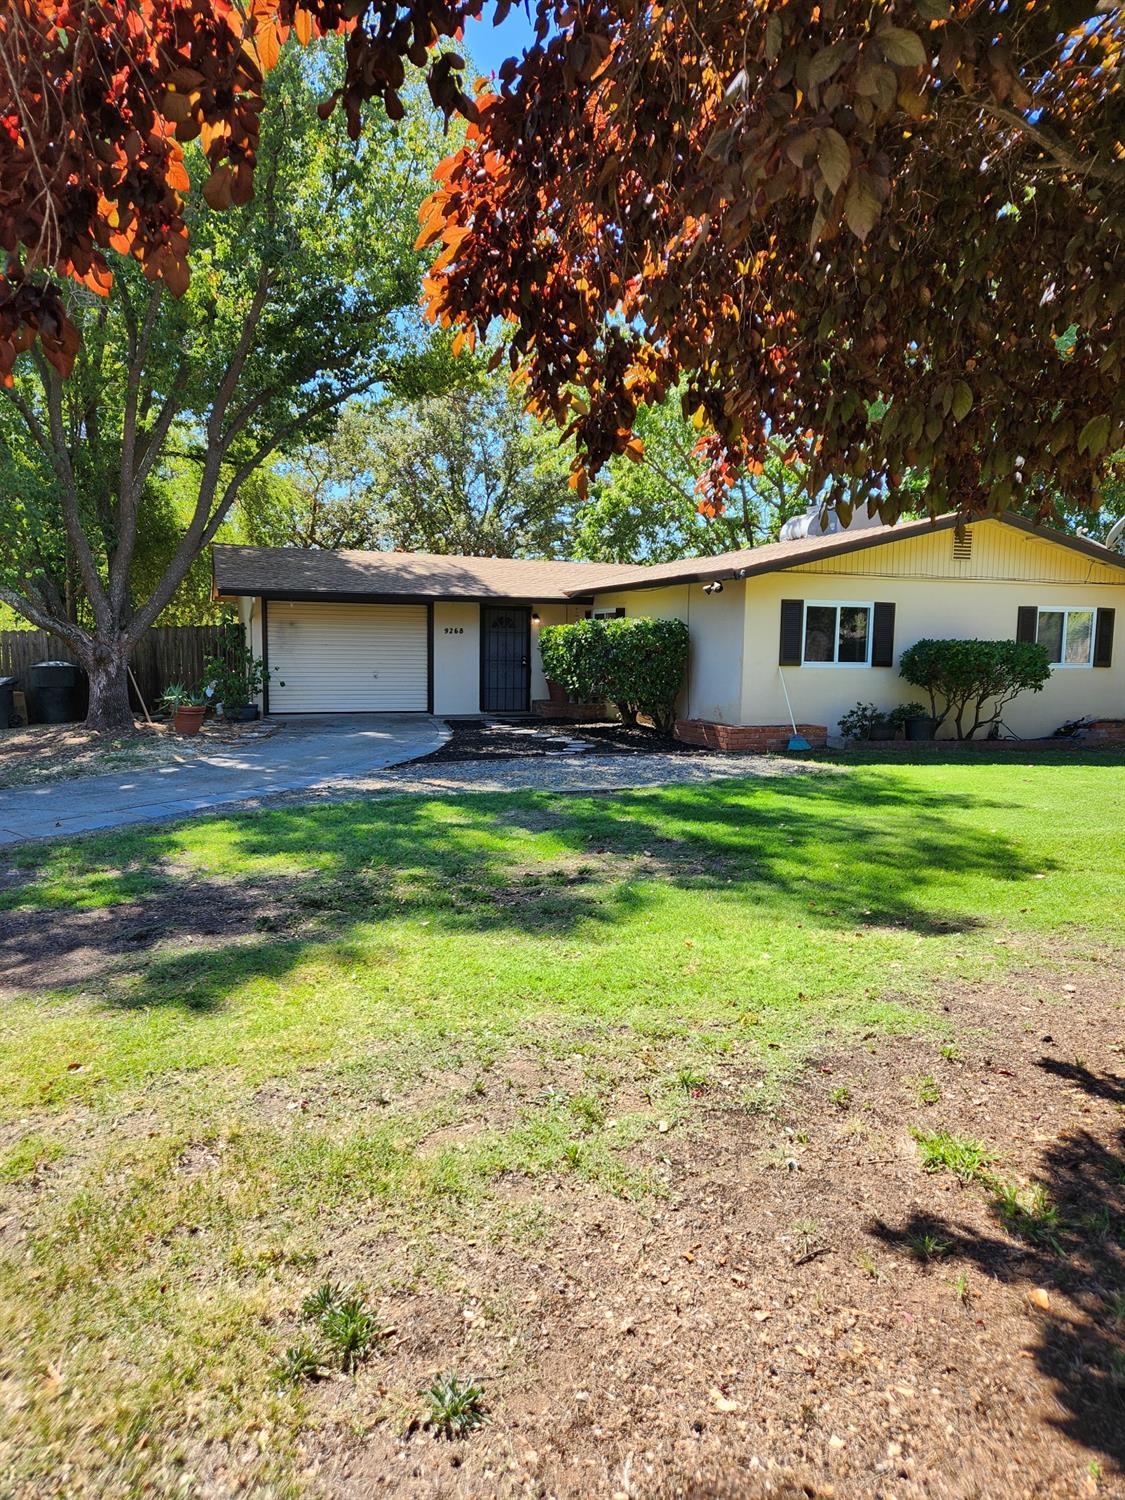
(164, 654)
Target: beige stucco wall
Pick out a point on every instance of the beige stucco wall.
(456, 658)
(938, 596)
(715, 626)
(457, 653)
(733, 669)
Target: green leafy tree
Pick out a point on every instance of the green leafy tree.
(300, 300)
(972, 682)
(648, 510)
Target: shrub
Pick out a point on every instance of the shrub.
(977, 678)
(859, 721)
(638, 664)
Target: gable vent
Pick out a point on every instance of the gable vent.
(962, 545)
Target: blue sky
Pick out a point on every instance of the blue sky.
(489, 45)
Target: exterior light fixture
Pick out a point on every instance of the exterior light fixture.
(535, 617)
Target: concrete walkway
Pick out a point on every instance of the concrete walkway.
(307, 753)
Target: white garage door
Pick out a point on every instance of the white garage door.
(347, 658)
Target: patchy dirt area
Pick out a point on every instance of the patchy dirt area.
(807, 1312)
(41, 753)
(501, 739)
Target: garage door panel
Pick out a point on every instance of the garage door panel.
(348, 658)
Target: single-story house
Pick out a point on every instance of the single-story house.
(418, 633)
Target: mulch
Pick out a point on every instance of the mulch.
(507, 739)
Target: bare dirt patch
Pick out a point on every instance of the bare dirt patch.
(807, 1312)
(39, 754)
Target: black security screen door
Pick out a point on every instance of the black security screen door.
(505, 660)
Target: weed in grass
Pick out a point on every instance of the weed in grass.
(299, 1362)
(572, 1154)
(691, 1081)
(868, 1265)
(961, 1288)
(587, 1110)
(319, 1303)
(841, 1096)
(1029, 1212)
(941, 1152)
(351, 1331)
(806, 1232)
(756, 1099)
(926, 1089)
(927, 1247)
(951, 1052)
(454, 1405)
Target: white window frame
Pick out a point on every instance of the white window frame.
(1066, 610)
(838, 605)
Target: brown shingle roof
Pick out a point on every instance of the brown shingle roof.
(282, 572)
(293, 572)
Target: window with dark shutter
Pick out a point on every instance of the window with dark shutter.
(1103, 639)
(792, 626)
(1027, 622)
(883, 636)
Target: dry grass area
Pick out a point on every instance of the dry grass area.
(803, 1308)
(41, 753)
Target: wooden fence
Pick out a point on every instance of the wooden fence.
(165, 654)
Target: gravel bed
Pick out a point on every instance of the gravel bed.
(556, 773)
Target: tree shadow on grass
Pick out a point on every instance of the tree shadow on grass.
(824, 851)
(1065, 1234)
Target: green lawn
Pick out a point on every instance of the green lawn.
(186, 1135)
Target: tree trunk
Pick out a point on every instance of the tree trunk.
(108, 669)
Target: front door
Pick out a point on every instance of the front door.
(505, 655)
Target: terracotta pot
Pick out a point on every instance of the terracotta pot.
(558, 693)
(188, 719)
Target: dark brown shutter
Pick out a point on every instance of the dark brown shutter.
(883, 636)
(1103, 638)
(1027, 622)
(792, 624)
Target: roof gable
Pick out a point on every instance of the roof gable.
(778, 557)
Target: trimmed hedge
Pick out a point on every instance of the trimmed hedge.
(965, 676)
(636, 664)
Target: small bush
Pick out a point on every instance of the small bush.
(637, 664)
(972, 681)
(454, 1405)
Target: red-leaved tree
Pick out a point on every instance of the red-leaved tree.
(887, 233)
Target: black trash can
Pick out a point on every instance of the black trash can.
(55, 692)
(8, 716)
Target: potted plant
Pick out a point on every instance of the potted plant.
(234, 677)
(187, 709)
(916, 722)
(862, 723)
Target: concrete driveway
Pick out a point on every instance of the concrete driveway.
(320, 751)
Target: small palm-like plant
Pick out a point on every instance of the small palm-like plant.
(299, 1362)
(350, 1329)
(320, 1302)
(455, 1405)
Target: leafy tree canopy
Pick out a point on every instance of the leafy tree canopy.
(118, 477)
(802, 211)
